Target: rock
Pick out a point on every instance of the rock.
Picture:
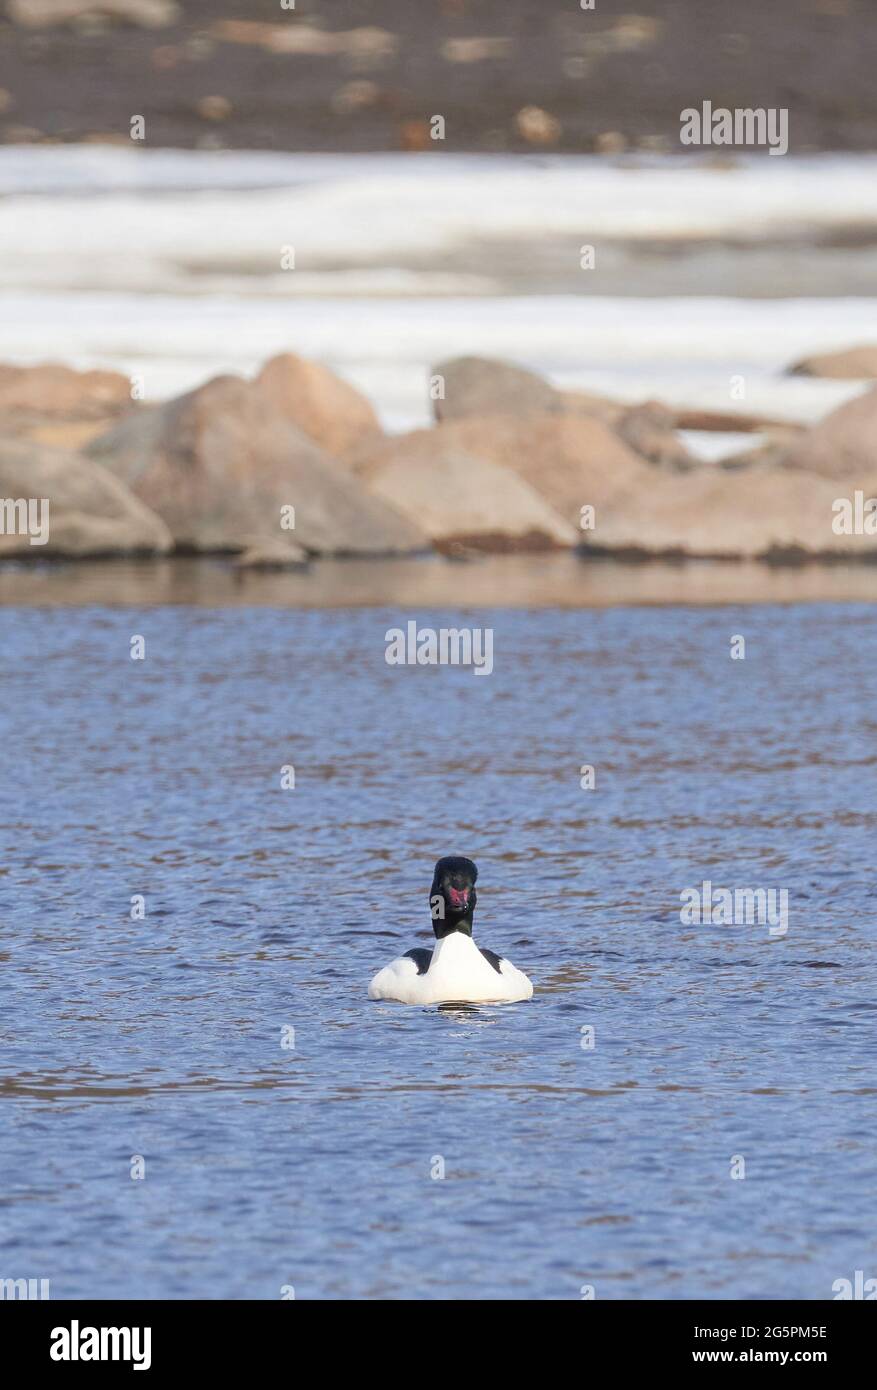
(72, 435)
(358, 95)
(90, 512)
(44, 14)
(577, 461)
(273, 556)
(485, 386)
(650, 430)
(479, 386)
(588, 403)
(478, 50)
(327, 409)
(610, 142)
(460, 499)
(759, 513)
(538, 127)
(853, 364)
(728, 422)
(368, 46)
(571, 461)
(53, 391)
(223, 468)
(632, 31)
(770, 452)
(843, 444)
(257, 33)
(214, 108)
(415, 136)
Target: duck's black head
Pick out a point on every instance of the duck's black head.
(452, 897)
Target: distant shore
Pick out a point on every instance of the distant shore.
(505, 75)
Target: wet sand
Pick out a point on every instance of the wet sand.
(552, 581)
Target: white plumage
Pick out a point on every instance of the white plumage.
(458, 972)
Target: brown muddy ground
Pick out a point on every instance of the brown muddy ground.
(605, 77)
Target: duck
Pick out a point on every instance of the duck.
(455, 971)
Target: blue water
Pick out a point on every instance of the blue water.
(269, 1166)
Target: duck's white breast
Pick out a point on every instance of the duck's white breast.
(458, 972)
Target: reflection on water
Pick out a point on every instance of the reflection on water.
(555, 580)
(268, 910)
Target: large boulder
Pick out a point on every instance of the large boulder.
(575, 461)
(459, 498)
(589, 403)
(220, 465)
(852, 364)
(484, 386)
(72, 435)
(844, 444)
(481, 386)
(52, 391)
(767, 513)
(90, 512)
(572, 461)
(322, 405)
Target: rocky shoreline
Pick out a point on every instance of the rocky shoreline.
(293, 466)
